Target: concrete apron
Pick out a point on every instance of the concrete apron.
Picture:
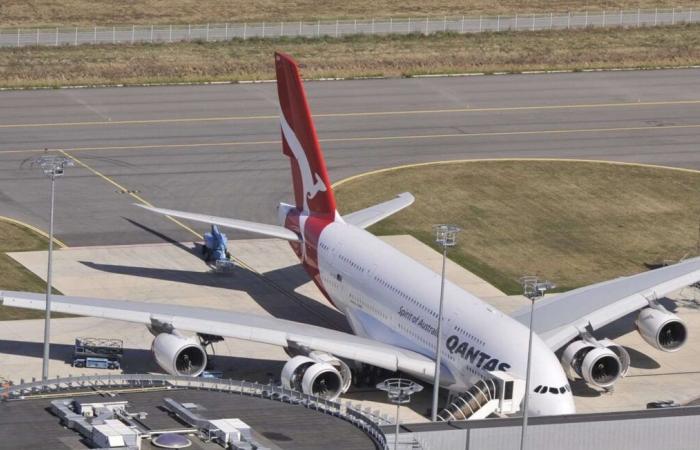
(175, 274)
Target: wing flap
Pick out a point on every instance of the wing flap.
(243, 225)
(250, 327)
(369, 216)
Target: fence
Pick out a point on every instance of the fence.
(59, 386)
(224, 31)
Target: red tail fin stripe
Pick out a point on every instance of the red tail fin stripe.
(312, 188)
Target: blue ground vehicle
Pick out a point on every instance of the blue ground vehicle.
(214, 248)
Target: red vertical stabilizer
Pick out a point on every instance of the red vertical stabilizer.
(312, 188)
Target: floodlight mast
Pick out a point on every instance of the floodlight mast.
(53, 166)
(399, 391)
(445, 236)
(533, 289)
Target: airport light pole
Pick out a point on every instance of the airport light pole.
(445, 236)
(533, 289)
(399, 391)
(52, 166)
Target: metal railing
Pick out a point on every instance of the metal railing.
(21, 37)
(55, 386)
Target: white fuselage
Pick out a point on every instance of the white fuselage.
(392, 298)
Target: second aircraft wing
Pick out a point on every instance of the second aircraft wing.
(250, 327)
(560, 318)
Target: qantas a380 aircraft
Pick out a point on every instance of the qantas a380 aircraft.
(391, 301)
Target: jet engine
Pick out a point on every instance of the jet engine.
(599, 363)
(661, 329)
(179, 355)
(318, 374)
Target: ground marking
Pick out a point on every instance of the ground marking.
(373, 138)
(354, 114)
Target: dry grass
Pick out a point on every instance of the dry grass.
(574, 223)
(357, 56)
(104, 12)
(14, 238)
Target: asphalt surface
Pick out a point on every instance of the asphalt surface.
(215, 149)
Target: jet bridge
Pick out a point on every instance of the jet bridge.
(499, 394)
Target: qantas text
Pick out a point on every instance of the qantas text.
(477, 357)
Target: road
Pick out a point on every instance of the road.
(216, 148)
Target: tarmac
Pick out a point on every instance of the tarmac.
(175, 274)
(215, 149)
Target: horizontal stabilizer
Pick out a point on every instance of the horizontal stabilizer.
(369, 216)
(243, 225)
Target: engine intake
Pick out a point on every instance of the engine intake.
(598, 365)
(179, 355)
(318, 374)
(661, 329)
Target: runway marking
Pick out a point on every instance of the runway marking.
(354, 114)
(370, 138)
(478, 160)
(34, 229)
(124, 189)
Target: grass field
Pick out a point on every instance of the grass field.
(14, 238)
(573, 223)
(355, 56)
(29, 13)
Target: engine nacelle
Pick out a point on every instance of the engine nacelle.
(179, 355)
(661, 329)
(597, 364)
(318, 374)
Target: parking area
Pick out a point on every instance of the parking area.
(267, 280)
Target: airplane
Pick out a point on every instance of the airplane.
(391, 301)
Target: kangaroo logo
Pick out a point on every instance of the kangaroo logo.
(311, 182)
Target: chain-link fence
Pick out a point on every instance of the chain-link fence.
(20, 37)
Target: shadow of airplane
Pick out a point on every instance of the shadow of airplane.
(162, 236)
(284, 280)
(278, 302)
(640, 360)
(136, 360)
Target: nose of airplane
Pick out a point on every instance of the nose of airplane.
(551, 405)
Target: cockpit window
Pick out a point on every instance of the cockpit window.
(553, 390)
(538, 388)
(562, 389)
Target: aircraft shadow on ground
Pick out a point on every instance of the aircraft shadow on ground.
(296, 307)
(141, 361)
(162, 236)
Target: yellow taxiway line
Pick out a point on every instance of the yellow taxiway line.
(34, 229)
(480, 160)
(372, 138)
(125, 190)
(355, 114)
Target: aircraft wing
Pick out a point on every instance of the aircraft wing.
(250, 327)
(369, 216)
(243, 225)
(559, 318)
